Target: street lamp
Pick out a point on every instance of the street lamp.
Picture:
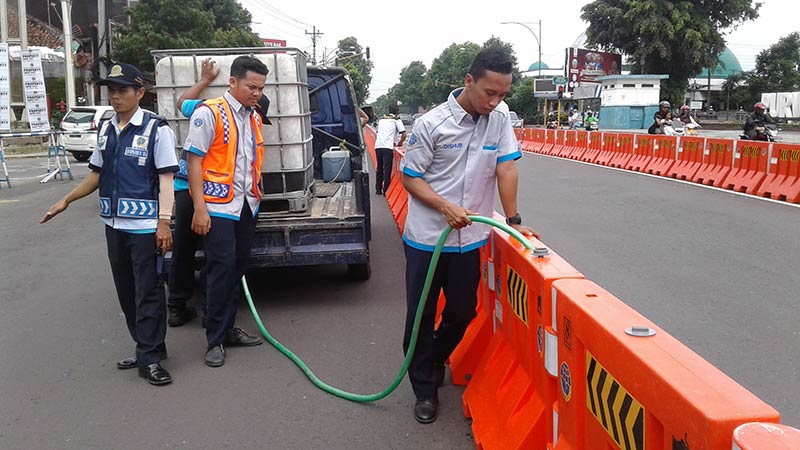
(538, 38)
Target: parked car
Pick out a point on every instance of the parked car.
(516, 121)
(80, 126)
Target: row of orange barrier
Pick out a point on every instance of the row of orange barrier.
(554, 362)
(760, 168)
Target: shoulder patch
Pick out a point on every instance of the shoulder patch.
(198, 122)
(413, 139)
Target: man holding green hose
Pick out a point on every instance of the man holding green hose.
(454, 157)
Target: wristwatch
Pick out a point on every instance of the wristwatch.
(514, 220)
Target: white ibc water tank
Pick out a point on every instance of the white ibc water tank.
(287, 142)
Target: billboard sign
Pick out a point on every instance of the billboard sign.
(269, 42)
(585, 66)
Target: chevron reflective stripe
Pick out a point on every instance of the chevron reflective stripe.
(217, 190)
(517, 291)
(105, 206)
(621, 415)
(138, 209)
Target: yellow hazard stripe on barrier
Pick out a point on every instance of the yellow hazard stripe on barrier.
(517, 294)
(621, 415)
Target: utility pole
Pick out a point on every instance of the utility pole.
(102, 50)
(66, 14)
(22, 14)
(314, 33)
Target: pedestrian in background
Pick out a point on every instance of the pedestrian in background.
(132, 165)
(455, 155)
(226, 149)
(389, 127)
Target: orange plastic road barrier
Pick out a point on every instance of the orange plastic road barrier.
(569, 143)
(621, 386)
(609, 149)
(527, 139)
(510, 391)
(595, 147)
(519, 133)
(765, 436)
(558, 147)
(717, 162)
(690, 157)
(783, 181)
(624, 151)
(539, 139)
(549, 142)
(665, 149)
(750, 161)
(642, 153)
(396, 195)
(581, 145)
(369, 139)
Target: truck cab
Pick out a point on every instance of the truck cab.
(306, 216)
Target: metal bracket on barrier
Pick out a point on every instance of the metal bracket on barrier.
(638, 331)
(540, 252)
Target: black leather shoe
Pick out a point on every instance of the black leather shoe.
(179, 315)
(378, 192)
(236, 337)
(425, 410)
(215, 356)
(438, 374)
(155, 374)
(132, 362)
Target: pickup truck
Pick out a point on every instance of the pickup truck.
(302, 219)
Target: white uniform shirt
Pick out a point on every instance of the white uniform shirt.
(201, 136)
(163, 157)
(457, 156)
(388, 130)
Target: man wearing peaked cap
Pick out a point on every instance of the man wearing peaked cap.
(132, 166)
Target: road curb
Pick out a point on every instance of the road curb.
(27, 155)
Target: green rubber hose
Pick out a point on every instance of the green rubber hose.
(366, 398)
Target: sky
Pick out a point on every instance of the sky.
(414, 30)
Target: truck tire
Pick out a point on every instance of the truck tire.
(359, 272)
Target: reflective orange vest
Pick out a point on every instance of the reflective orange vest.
(220, 160)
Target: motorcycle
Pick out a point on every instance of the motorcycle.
(764, 132)
(592, 126)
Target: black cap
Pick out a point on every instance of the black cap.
(262, 107)
(124, 74)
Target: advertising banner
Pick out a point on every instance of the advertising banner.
(5, 90)
(34, 90)
(269, 42)
(585, 66)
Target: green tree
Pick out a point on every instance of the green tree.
(678, 38)
(522, 100)
(777, 70)
(354, 61)
(447, 71)
(381, 105)
(162, 24)
(409, 89)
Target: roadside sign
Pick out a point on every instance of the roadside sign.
(560, 80)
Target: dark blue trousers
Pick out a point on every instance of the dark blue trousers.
(227, 248)
(383, 173)
(184, 244)
(133, 265)
(458, 274)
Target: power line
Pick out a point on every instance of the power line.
(314, 35)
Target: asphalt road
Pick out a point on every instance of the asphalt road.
(716, 270)
(62, 332)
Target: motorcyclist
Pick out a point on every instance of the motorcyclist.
(758, 117)
(590, 119)
(688, 121)
(659, 117)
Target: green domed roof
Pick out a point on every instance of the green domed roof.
(728, 65)
(538, 65)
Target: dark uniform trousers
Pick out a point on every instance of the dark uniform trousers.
(227, 248)
(383, 173)
(458, 274)
(185, 241)
(134, 268)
